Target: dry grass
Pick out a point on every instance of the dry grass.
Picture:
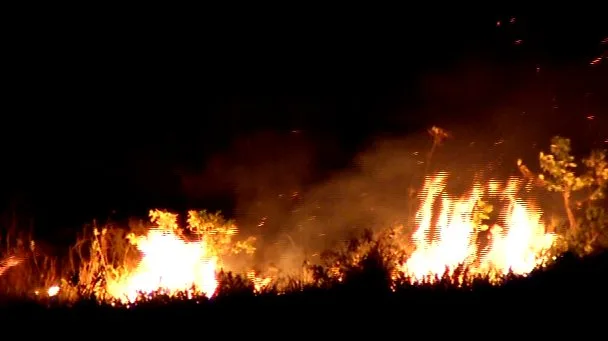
(25, 270)
(99, 253)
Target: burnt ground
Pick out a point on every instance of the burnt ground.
(571, 291)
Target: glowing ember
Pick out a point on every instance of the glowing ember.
(53, 291)
(447, 236)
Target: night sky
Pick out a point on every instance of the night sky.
(125, 114)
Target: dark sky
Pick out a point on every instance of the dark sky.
(115, 111)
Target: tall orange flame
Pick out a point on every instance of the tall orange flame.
(448, 236)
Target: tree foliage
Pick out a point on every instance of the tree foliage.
(219, 233)
(559, 167)
(587, 218)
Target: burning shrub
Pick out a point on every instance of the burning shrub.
(100, 255)
(218, 233)
(454, 231)
(120, 265)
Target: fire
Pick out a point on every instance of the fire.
(169, 265)
(461, 237)
(9, 262)
(453, 234)
(259, 283)
(53, 291)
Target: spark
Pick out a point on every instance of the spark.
(262, 221)
(596, 61)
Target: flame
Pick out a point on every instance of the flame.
(451, 233)
(53, 291)
(169, 265)
(259, 283)
(448, 236)
(172, 264)
(8, 263)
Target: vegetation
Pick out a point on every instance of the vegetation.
(361, 267)
(438, 135)
(587, 225)
(570, 282)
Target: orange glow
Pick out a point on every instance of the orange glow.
(517, 241)
(169, 265)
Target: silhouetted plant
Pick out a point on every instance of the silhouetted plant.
(233, 284)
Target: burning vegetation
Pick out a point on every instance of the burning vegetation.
(493, 230)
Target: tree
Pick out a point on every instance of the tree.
(559, 174)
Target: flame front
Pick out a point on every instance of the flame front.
(450, 236)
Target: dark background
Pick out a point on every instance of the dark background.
(111, 112)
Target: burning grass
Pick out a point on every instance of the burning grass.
(119, 266)
(24, 270)
(492, 234)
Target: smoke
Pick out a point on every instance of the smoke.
(380, 190)
(296, 207)
(265, 173)
(296, 214)
(285, 196)
(370, 194)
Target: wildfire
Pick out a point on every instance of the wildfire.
(169, 265)
(6, 264)
(452, 232)
(462, 237)
(259, 283)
